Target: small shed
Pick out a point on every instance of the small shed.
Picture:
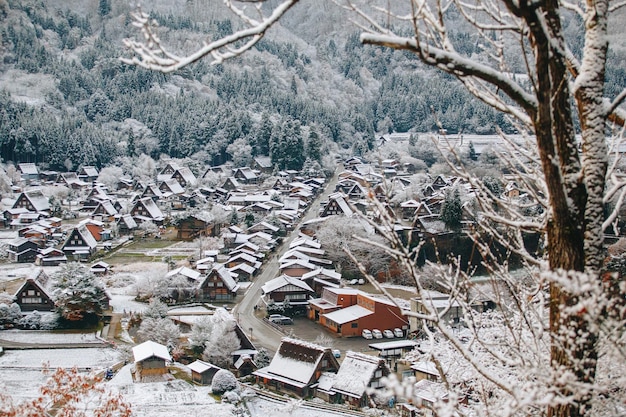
(245, 365)
(150, 359)
(203, 372)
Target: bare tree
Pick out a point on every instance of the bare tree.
(543, 94)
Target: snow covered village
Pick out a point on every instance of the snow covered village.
(308, 208)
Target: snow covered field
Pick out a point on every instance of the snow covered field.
(21, 370)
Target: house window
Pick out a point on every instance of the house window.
(354, 325)
(211, 284)
(220, 284)
(32, 300)
(31, 292)
(378, 373)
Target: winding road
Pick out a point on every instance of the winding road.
(262, 333)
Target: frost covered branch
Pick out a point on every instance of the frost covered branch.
(152, 54)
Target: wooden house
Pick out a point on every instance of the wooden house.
(357, 376)
(322, 278)
(88, 173)
(296, 267)
(150, 359)
(34, 201)
(440, 182)
(145, 209)
(71, 180)
(219, 285)
(95, 227)
(185, 177)
(244, 366)
(50, 257)
(243, 272)
(100, 268)
(245, 175)
(182, 283)
(337, 204)
(202, 372)
(426, 393)
(105, 212)
(28, 171)
(80, 244)
(262, 163)
(22, 250)
(194, 226)
(286, 289)
(408, 208)
(36, 233)
(33, 295)
(231, 184)
(126, 224)
(296, 366)
(11, 215)
(169, 169)
(151, 191)
(171, 186)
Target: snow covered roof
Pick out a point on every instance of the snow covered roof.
(184, 271)
(149, 349)
(38, 200)
(90, 171)
(297, 263)
(226, 277)
(201, 366)
(28, 168)
(348, 314)
(325, 272)
(429, 390)
(282, 281)
(355, 373)
(151, 207)
(173, 186)
(425, 367)
(243, 267)
(305, 241)
(187, 175)
(296, 361)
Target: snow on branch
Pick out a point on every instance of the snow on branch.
(457, 65)
(152, 54)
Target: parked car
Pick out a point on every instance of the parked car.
(336, 353)
(388, 334)
(366, 334)
(398, 332)
(377, 334)
(279, 319)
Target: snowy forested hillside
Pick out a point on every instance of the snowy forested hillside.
(68, 101)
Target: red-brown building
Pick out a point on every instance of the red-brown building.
(368, 312)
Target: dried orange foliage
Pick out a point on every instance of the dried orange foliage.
(67, 393)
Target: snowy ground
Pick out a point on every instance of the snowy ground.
(41, 336)
(21, 370)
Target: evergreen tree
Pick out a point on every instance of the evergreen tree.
(452, 211)
(130, 144)
(293, 146)
(314, 146)
(104, 7)
(472, 152)
(263, 136)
